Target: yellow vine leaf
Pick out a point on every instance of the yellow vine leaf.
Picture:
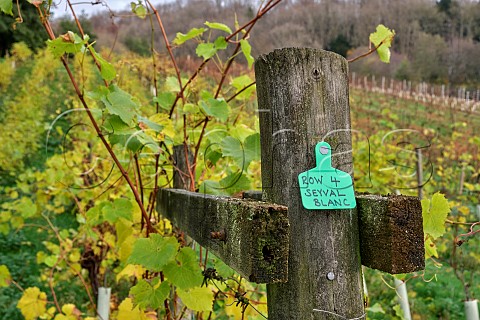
(5, 277)
(127, 312)
(68, 309)
(235, 312)
(33, 303)
(125, 249)
(70, 312)
(430, 249)
(463, 210)
(198, 299)
(130, 271)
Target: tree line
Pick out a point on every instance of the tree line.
(436, 41)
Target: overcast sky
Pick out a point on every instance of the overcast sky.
(90, 8)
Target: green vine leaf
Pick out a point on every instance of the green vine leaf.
(247, 52)
(376, 308)
(218, 26)
(171, 84)
(190, 108)
(114, 125)
(129, 142)
(150, 295)
(232, 147)
(252, 148)
(211, 187)
(139, 10)
(435, 213)
(206, 50)
(121, 103)
(220, 43)
(165, 99)
(152, 125)
(120, 208)
(184, 273)
(242, 154)
(162, 120)
(235, 182)
(383, 36)
(240, 83)
(6, 6)
(155, 252)
(198, 299)
(217, 108)
(67, 43)
(110, 211)
(94, 215)
(193, 33)
(107, 70)
(25, 207)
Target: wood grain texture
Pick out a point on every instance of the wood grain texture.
(391, 233)
(255, 241)
(303, 99)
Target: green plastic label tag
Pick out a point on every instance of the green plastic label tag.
(325, 187)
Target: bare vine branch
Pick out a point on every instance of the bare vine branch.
(80, 29)
(79, 94)
(369, 52)
(169, 47)
(261, 12)
(472, 232)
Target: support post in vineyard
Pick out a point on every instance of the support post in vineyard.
(310, 259)
(303, 98)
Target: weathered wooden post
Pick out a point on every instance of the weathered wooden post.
(303, 99)
(310, 259)
(181, 179)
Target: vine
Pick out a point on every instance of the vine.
(129, 139)
(106, 179)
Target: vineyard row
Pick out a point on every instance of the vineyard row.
(434, 95)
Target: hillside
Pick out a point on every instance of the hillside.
(436, 41)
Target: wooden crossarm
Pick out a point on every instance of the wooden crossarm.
(252, 237)
(391, 233)
(249, 236)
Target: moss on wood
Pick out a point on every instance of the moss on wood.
(391, 233)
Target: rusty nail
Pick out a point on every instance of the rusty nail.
(219, 235)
